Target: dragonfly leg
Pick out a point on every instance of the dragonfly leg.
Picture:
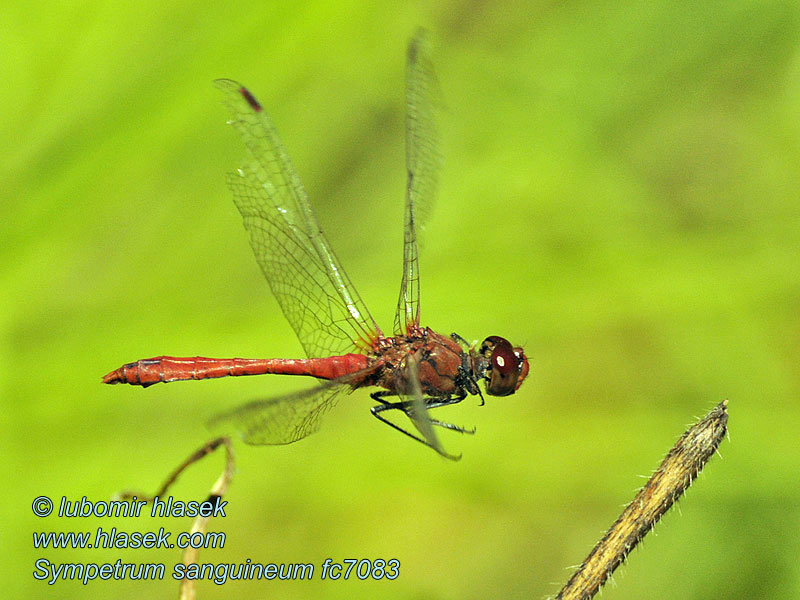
(379, 396)
(466, 377)
(444, 424)
(452, 427)
(404, 407)
(376, 410)
(481, 395)
(460, 340)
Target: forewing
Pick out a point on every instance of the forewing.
(417, 412)
(305, 276)
(422, 165)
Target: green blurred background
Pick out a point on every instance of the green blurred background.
(619, 195)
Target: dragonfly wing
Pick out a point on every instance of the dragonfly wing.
(305, 276)
(422, 165)
(289, 418)
(418, 413)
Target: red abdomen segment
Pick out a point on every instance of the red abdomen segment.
(148, 371)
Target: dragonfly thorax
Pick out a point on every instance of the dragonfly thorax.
(445, 366)
(438, 363)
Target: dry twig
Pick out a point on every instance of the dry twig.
(672, 478)
(218, 490)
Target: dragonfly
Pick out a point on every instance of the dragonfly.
(415, 368)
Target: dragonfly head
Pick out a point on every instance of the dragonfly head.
(502, 366)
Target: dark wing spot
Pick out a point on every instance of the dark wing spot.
(250, 99)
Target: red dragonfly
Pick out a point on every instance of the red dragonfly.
(417, 368)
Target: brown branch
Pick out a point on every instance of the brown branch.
(218, 490)
(200, 524)
(672, 478)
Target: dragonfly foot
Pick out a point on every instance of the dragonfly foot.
(453, 427)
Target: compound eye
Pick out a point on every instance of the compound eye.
(503, 370)
(504, 361)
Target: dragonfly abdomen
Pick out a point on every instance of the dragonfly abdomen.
(166, 369)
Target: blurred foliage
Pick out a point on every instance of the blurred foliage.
(619, 195)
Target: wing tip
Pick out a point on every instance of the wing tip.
(229, 86)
